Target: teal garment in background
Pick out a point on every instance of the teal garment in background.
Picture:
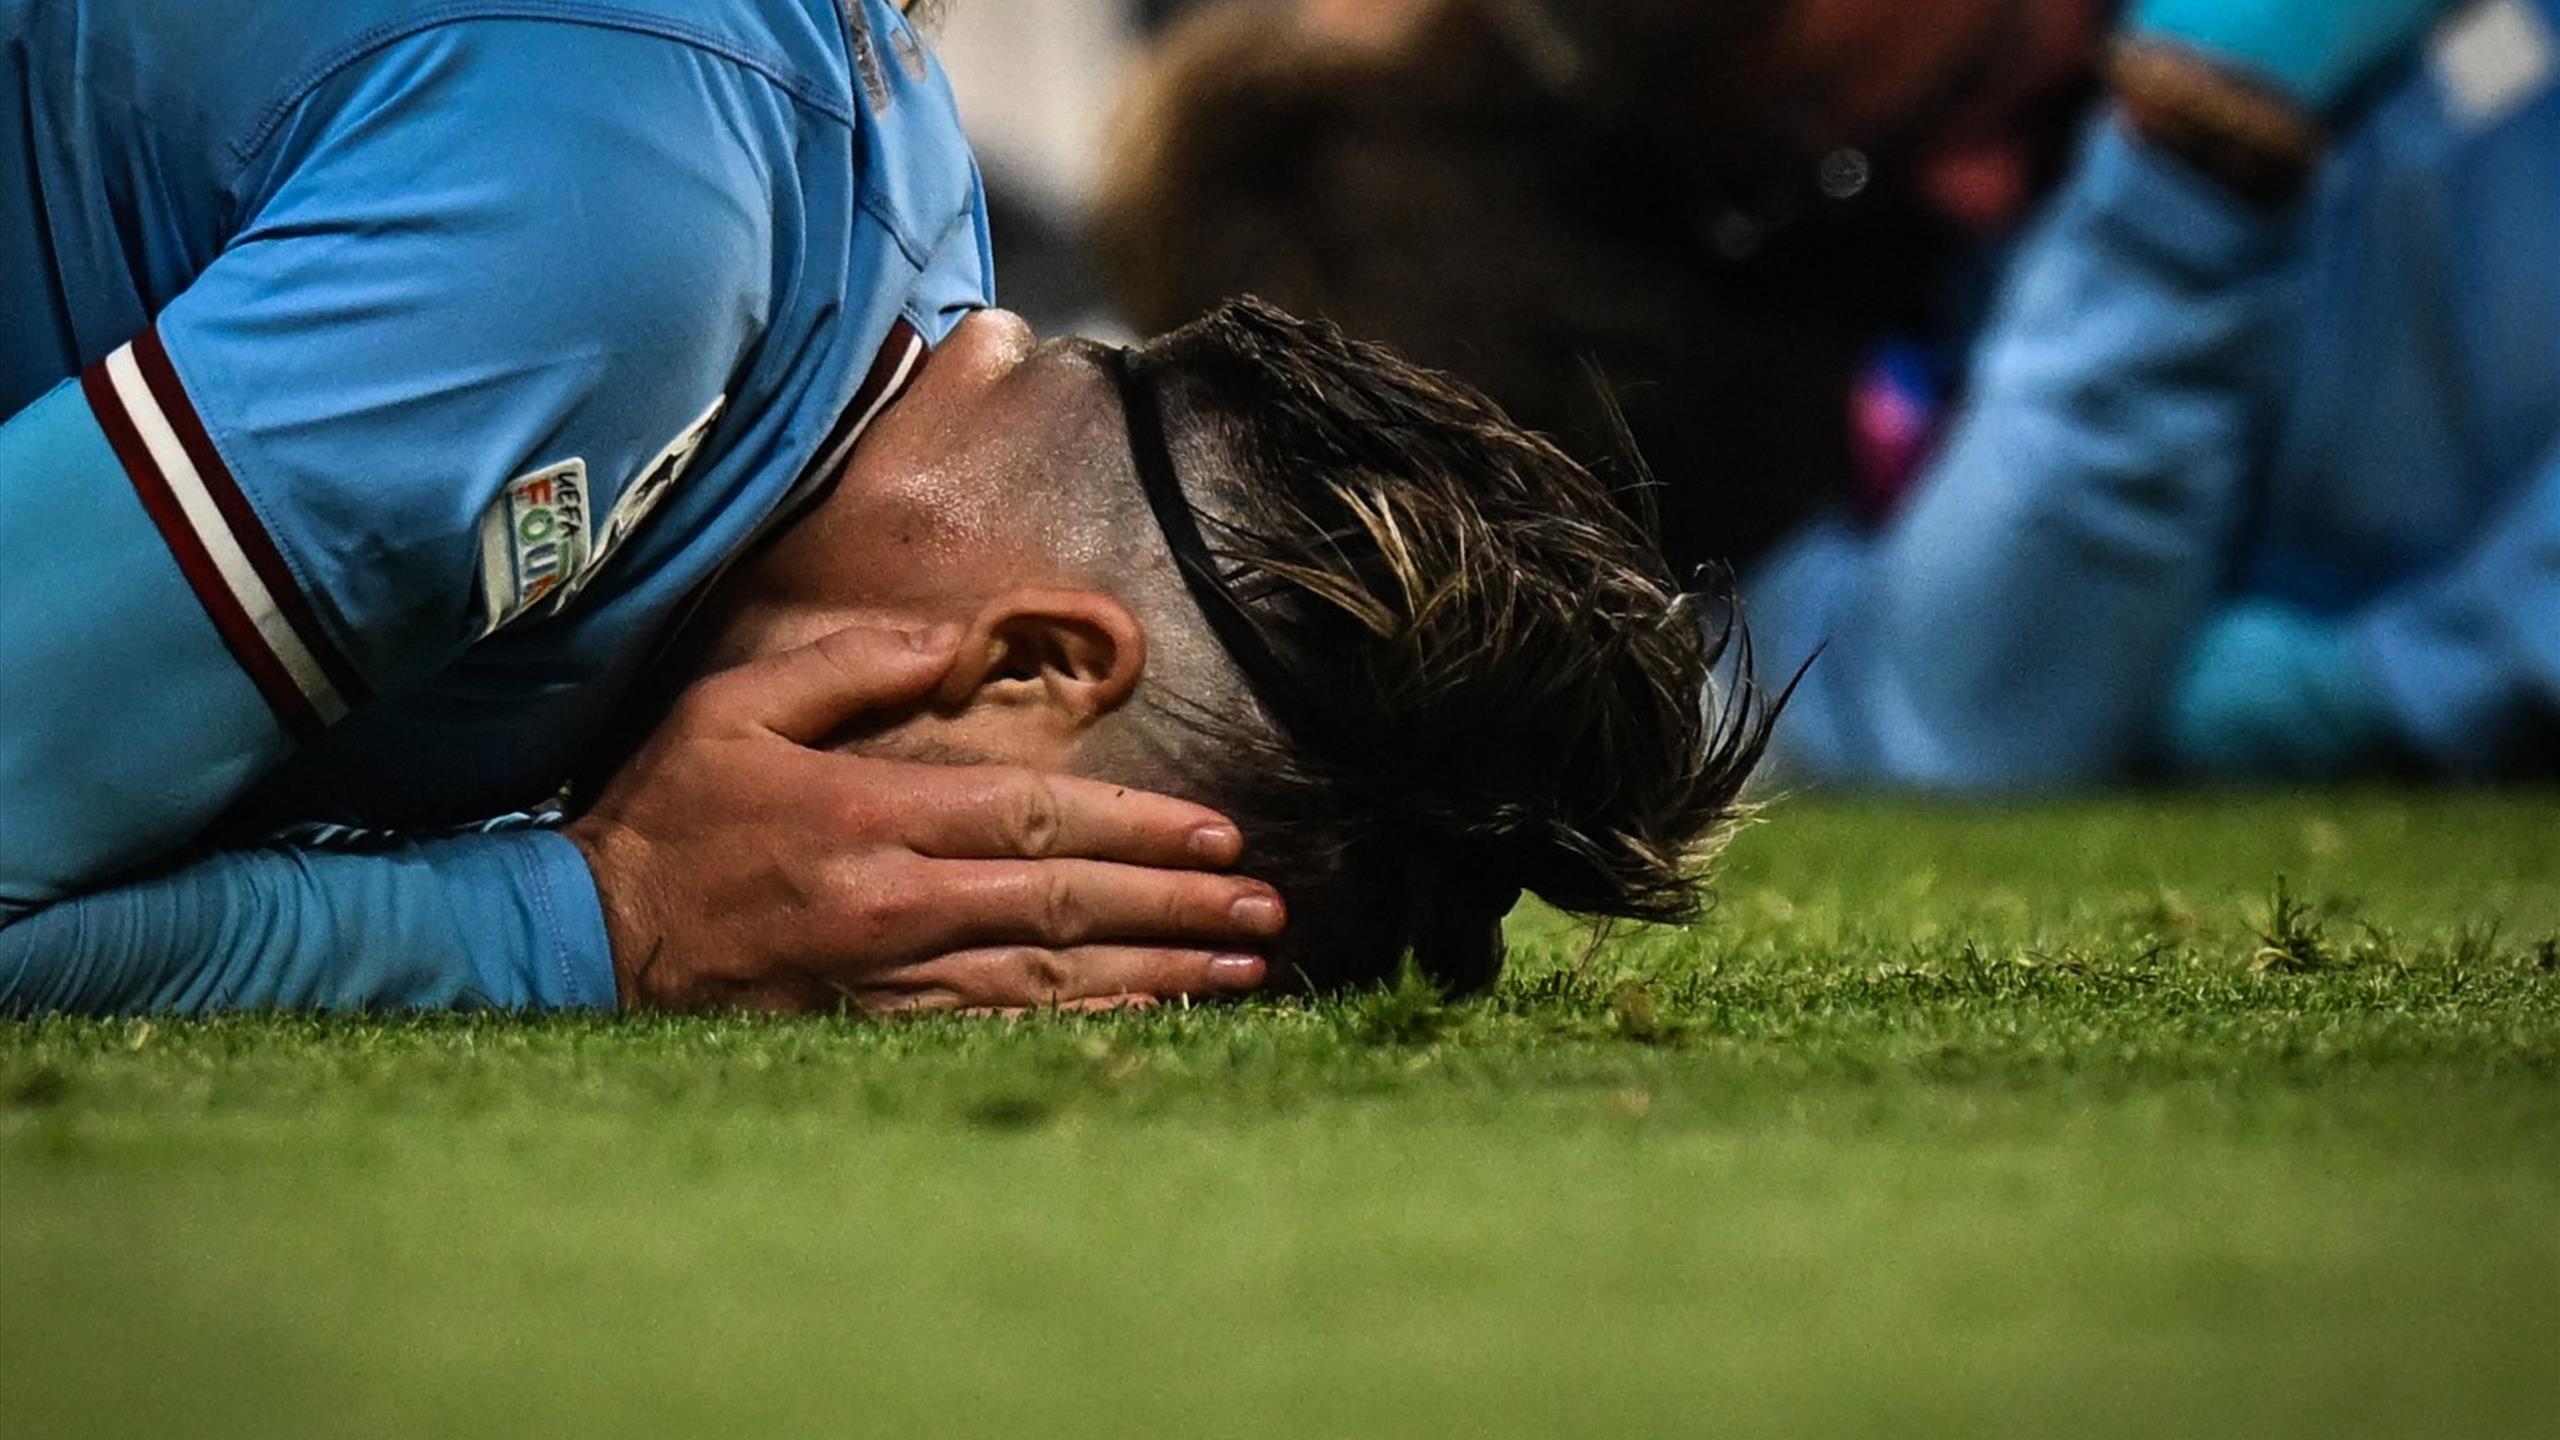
(2273, 693)
(2320, 52)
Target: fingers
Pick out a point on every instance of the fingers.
(1086, 977)
(1062, 903)
(986, 812)
(809, 693)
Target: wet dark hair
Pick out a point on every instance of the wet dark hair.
(1513, 689)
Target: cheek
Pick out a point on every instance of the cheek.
(860, 550)
(944, 513)
(917, 522)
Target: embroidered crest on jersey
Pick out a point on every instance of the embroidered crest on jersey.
(536, 537)
(2494, 57)
(642, 498)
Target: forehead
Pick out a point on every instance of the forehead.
(1024, 448)
(1060, 384)
(1073, 385)
(1052, 403)
(1053, 432)
(1064, 400)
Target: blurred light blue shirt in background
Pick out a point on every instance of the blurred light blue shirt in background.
(2188, 415)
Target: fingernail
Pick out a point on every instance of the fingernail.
(1240, 971)
(1217, 844)
(1259, 913)
(933, 639)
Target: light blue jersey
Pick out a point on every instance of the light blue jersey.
(2187, 407)
(381, 376)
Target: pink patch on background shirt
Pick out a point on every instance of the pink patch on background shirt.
(1893, 427)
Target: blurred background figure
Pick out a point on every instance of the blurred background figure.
(1526, 197)
(1533, 193)
(2193, 415)
(2256, 473)
(1467, 182)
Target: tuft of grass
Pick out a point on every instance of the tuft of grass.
(1636, 1013)
(2475, 943)
(1408, 1010)
(2292, 939)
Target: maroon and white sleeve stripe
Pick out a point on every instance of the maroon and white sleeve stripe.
(901, 355)
(217, 539)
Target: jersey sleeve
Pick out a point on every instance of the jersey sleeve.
(490, 277)
(2021, 623)
(494, 921)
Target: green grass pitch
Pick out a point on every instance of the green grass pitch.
(1966, 1123)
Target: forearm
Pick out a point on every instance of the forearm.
(498, 921)
(2018, 625)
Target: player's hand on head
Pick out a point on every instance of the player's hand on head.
(743, 867)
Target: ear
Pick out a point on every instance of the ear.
(1075, 654)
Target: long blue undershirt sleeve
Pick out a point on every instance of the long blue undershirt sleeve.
(2021, 623)
(495, 921)
(2468, 661)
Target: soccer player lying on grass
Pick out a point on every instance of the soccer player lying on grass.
(1423, 658)
(381, 379)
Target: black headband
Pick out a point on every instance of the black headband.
(1288, 701)
(1455, 925)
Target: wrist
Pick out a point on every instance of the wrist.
(2249, 138)
(630, 938)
